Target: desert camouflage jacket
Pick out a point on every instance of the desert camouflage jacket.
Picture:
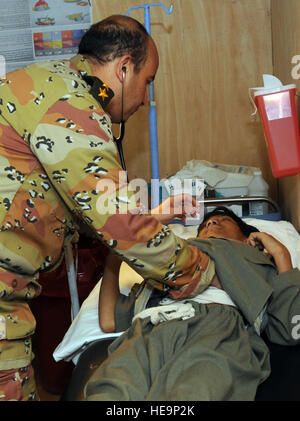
(56, 147)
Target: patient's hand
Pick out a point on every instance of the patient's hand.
(177, 206)
(274, 248)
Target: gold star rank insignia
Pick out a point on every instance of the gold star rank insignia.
(100, 91)
(103, 93)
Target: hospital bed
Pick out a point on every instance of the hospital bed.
(86, 345)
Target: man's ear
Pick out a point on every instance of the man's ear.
(124, 66)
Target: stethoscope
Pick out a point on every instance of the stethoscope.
(119, 139)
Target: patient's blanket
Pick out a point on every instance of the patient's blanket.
(207, 357)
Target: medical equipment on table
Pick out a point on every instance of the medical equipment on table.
(242, 206)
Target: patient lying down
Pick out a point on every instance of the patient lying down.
(206, 347)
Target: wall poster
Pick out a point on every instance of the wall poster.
(32, 30)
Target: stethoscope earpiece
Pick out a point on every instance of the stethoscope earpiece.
(124, 73)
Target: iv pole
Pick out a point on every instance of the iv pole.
(152, 111)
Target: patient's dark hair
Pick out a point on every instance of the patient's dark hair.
(114, 37)
(222, 210)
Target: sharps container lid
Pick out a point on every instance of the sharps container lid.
(271, 85)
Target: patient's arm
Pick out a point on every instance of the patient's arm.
(274, 248)
(109, 293)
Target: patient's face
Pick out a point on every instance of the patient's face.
(222, 226)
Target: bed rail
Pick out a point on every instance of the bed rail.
(240, 199)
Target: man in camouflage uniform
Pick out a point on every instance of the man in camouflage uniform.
(56, 146)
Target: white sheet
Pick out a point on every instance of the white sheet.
(85, 327)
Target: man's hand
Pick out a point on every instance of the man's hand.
(177, 206)
(273, 247)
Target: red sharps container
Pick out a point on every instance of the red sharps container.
(278, 112)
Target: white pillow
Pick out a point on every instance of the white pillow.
(284, 232)
(85, 327)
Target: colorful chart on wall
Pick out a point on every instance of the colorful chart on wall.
(55, 43)
(34, 30)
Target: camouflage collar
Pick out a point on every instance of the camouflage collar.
(100, 90)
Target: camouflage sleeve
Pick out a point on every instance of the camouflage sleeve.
(74, 144)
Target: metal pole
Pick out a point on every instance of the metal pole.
(152, 111)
